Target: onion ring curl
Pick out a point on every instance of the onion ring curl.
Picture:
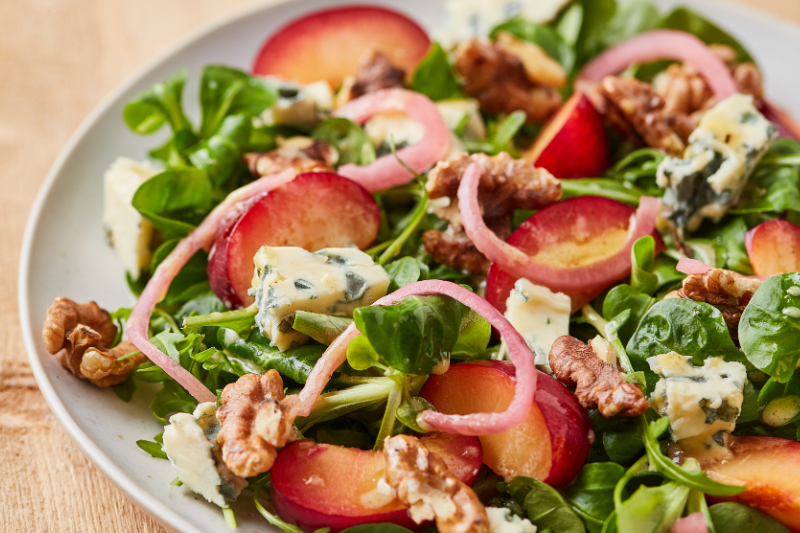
(662, 44)
(520, 265)
(386, 172)
(201, 237)
(471, 424)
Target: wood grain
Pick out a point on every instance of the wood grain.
(58, 59)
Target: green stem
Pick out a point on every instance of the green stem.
(337, 403)
(781, 160)
(601, 187)
(378, 248)
(419, 213)
(220, 319)
(230, 519)
(609, 331)
(168, 319)
(639, 466)
(271, 518)
(390, 415)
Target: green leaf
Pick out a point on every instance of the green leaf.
(591, 494)
(473, 337)
(545, 507)
(361, 355)
(642, 256)
(410, 409)
(220, 154)
(404, 271)
(190, 275)
(172, 398)
(507, 128)
(741, 518)
(769, 330)
(158, 105)
(604, 187)
(434, 76)
(228, 91)
(255, 355)
(624, 297)
(124, 390)
(653, 509)
(596, 16)
(543, 36)
(623, 443)
(771, 190)
(173, 200)
(322, 328)
(728, 239)
(349, 139)
(153, 448)
(684, 326)
(631, 19)
(685, 19)
(415, 334)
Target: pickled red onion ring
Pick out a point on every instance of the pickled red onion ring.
(692, 266)
(693, 523)
(786, 125)
(471, 424)
(386, 172)
(156, 289)
(662, 44)
(521, 265)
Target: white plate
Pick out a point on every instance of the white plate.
(64, 253)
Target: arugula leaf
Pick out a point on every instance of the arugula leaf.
(228, 91)
(255, 355)
(349, 139)
(202, 304)
(500, 135)
(631, 19)
(544, 506)
(596, 16)
(543, 36)
(604, 187)
(153, 448)
(173, 200)
(733, 516)
(160, 104)
(653, 509)
(189, 280)
(172, 398)
(684, 326)
(220, 154)
(415, 334)
(124, 391)
(690, 21)
(591, 494)
(769, 331)
(434, 76)
(322, 328)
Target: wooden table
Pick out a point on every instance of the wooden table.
(58, 59)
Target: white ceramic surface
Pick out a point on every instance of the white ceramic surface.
(64, 253)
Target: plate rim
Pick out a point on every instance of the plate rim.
(146, 502)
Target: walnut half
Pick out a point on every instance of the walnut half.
(255, 418)
(79, 335)
(424, 483)
(599, 382)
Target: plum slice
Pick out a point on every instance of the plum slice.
(576, 231)
(774, 247)
(573, 144)
(327, 45)
(324, 485)
(313, 211)
(551, 444)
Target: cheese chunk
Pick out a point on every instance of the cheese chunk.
(395, 126)
(723, 151)
(463, 114)
(126, 230)
(334, 281)
(540, 316)
(189, 442)
(298, 104)
(702, 403)
(502, 520)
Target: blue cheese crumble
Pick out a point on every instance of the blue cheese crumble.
(702, 403)
(298, 104)
(540, 316)
(722, 152)
(502, 520)
(333, 281)
(190, 442)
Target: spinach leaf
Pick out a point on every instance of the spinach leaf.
(624, 297)
(404, 271)
(642, 257)
(596, 16)
(665, 271)
(732, 516)
(546, 509)
(255, 355)
(631, 19)
(434, 76)
(228, 91)
(774, 389)
(769, 330)
(684, 326)
(158, 105)
(771, 189)
(222, 152)
(653, 509)
(728, 239)
(623, 442)
(540, 35)
(349, 139)
(750, 406)
(591, 494)
(473, 337)
(377, 528)
(410, 409)
(685, 19)
(173, 200)
(322, 328)
(415, 334)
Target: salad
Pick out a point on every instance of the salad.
(539, 273)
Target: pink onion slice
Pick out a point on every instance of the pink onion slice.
(386, 172)
(693, 523)
(156, 289)
(663, 44)
(692, 266)
(521, 265)
(472, 424)
(787, 127)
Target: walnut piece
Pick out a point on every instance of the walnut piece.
(79, 335)
(724, 289)
(500, 81)
(506, 184)
(424, 483)
(303, 154)
(600, 383)
(255, 418)
(375, 72)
